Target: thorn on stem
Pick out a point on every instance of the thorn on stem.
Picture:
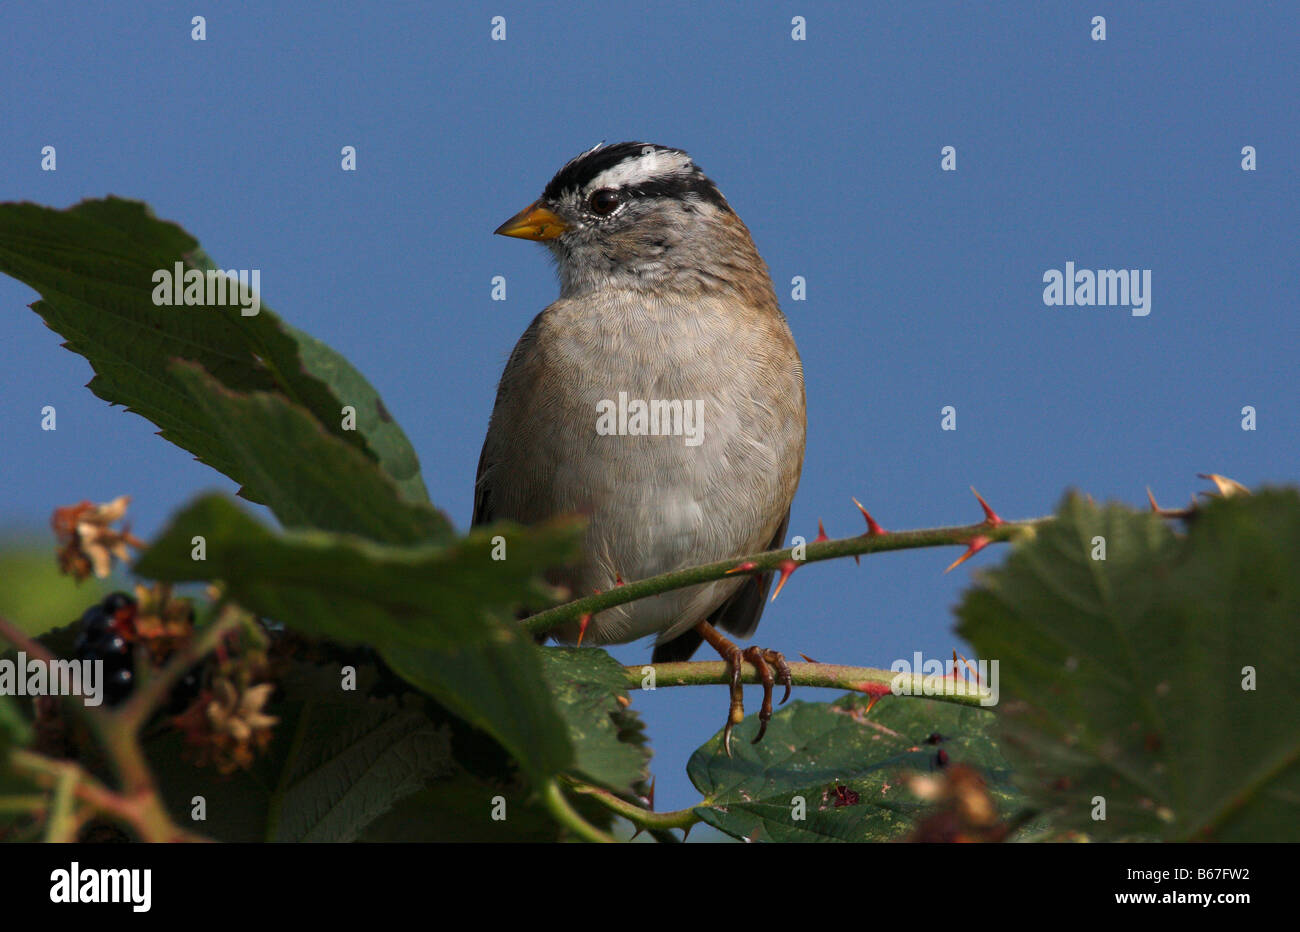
(873, 529)
(874, 691)
(967, 665)
(977, 543)
(787, 568)
(990, 516)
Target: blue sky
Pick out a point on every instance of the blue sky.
(924, 287)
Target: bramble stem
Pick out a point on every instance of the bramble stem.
(637, 815)
(567, 816)
(870, 680)
(863, 544)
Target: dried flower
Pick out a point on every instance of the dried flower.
(87, 541)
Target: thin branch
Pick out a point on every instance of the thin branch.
(638, 815)
(870, 680)
(570, 818)
(61, 822)
(962, 535)
(18, 638)
(30, 803)
(142, 812)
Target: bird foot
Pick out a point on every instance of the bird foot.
(763, 662)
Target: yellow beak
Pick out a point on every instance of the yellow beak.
(533, 222)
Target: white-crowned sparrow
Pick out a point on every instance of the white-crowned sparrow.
(665, 302)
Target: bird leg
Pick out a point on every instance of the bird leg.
(763, 661)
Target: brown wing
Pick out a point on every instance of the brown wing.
(482, 499)
(739, 614)
(484, 511)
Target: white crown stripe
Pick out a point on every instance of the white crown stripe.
(652, 165)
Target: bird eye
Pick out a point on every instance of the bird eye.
(604, 202)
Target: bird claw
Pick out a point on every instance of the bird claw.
(763, 661)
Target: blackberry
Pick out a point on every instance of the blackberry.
(95, 622)
(114, 649)
(81, 646)
(103, 639)
(100, 640)
(118, 685)
(98, 621)
(111, 648)
(116, 601)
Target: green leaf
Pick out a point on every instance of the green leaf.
(94, 264)
(307, 476)
(459, 809)
(353, 760)
(347, 765)
(498, 688)
(353, 590)
(337, 761)
(1123, 678)
(433, 611)
(811, 747)
(385, 437)
(607, 739)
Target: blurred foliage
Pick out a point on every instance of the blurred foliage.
(34, 595)
(1161, 679)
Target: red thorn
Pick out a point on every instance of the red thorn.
(990, 516)
(966, 665)
(873, 529)
(787, 568)
(1152, 499)
(821, 532)
(742, 567)
(875, 690)
(650, 796)
(582, 627)
(973, 669)
(807, 658)
(618, 580)
(977, 543)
